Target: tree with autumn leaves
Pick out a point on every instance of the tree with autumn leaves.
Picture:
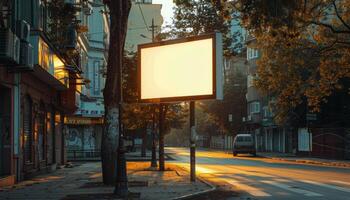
(305, 52)
(195, 17)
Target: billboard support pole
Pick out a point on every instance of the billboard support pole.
(154, 145)
(192, 141)
(161, 137)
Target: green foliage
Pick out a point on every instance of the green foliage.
(62, 17)
(305, 50)
(194, 17)
(216, 113)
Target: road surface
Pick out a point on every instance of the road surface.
(263, 178)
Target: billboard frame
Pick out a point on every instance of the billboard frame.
(213, 36)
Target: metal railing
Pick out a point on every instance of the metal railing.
(75, 155)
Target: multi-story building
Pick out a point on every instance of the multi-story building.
(85, 126)
(38, 78)
(259, 121)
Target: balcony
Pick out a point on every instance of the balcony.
(48, 65)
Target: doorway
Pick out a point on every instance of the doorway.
(5, 131)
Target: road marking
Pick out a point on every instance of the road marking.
(327, 186)
(292, 189)
(341, 182)
(249, 189)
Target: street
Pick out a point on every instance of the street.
(263, 178)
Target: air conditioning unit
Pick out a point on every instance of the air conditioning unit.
(26, 57)
(9, 47)
(23, 30)
(243, 119)
(249, 118)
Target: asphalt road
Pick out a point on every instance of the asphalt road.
(263, 178)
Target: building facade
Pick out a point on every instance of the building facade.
(85, 126)
(37, 90)
(259, 121)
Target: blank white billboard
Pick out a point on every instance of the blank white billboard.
(185, 69)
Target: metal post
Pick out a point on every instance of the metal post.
(153, 27)
(161, 138)
(154, 147)
(192, 142)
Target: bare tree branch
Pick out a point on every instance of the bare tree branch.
(339, 17)
(330, 27)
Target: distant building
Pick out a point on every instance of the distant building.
(235, 73)
(140, 20)
(259, 120)
(86, 125)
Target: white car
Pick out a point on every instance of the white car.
(244, 143)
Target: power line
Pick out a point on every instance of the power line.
(143, 17)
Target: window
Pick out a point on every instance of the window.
(250, 80)
(96, 78)
(254, 107)
(266, 111)
(252, 53)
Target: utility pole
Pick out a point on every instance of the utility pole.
(154, 144)
(153, 27)
(192, 141)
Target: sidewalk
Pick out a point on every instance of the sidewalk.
(305, 160)
(84, 181)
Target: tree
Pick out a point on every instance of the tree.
(118, 12)
(233, 103)
(305, 54)
(194, 17)
(140, 116)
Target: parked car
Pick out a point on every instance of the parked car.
(244, 143)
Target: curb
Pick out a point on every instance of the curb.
(188, 196)
(334, 164)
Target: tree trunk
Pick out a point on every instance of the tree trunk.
(110, 141)
(119, 12)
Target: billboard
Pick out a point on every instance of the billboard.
(181, 70)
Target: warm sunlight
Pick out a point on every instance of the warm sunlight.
(178, 70)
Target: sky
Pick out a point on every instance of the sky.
(167, 10)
